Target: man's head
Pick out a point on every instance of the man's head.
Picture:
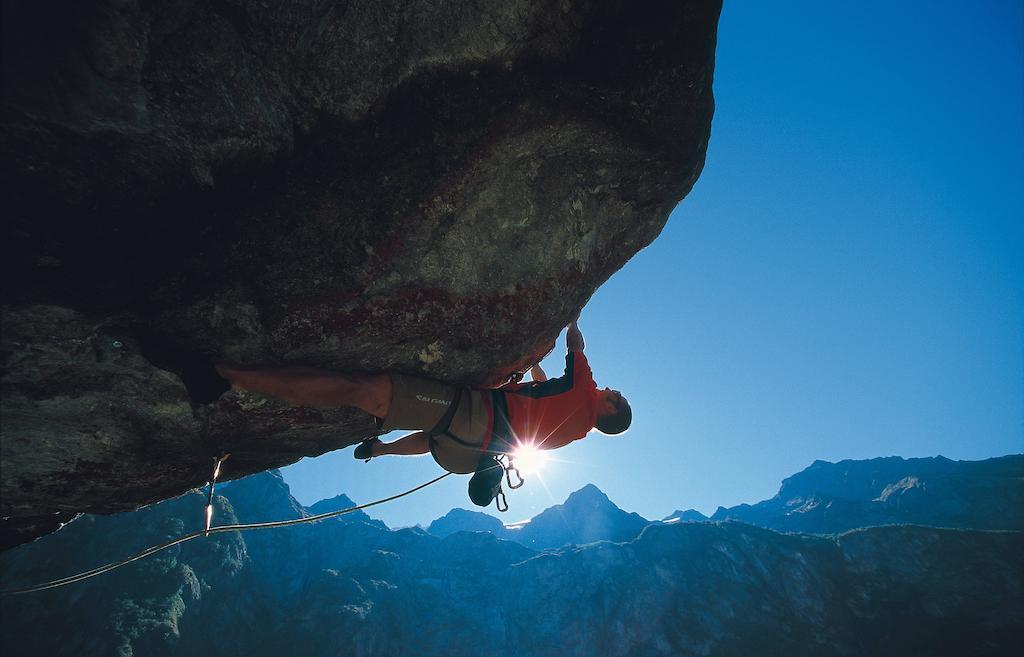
(613, 413)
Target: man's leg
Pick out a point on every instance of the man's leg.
(408, 445)
(309, 386)
(412, 444)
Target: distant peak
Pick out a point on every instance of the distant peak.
(267, 476)
(262, 495)
(459, 512)
(589, 493)
(336, 503)
(459, 519)
(685, 516)
(270, 480)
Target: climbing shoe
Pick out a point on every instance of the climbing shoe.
(365, 448)
(485, 483)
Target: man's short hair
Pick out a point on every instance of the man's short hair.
(616, 422)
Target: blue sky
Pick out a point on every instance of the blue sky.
(844, 281)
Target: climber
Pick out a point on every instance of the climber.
(464, 428)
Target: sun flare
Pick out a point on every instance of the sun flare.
(529, 459)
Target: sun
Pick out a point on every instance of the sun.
(529, 459)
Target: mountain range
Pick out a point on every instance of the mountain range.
(586, 516)
(825, 498)
(835, 497)
(582, 578)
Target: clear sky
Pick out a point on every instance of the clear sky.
(846, 279)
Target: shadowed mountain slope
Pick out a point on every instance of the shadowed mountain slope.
(351, 588)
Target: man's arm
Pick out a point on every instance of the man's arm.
(573, 338)
(544, 387)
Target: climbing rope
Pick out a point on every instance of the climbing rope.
(64, 581)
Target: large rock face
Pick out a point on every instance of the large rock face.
(375, 186)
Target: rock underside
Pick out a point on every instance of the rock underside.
(365, 186)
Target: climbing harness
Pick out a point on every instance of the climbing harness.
(488, 458)
(444, 425)
(497, 452)
(206, 532)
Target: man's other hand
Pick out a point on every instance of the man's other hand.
(573, 338)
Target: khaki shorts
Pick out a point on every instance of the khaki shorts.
(418, 403)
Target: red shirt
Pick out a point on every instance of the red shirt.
(556, 412)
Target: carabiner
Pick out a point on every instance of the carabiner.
(499, 501)
(508, 474)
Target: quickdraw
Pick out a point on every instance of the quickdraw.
(213, 483)
(510, 467)
(507, 463)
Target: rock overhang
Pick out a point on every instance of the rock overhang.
(405, 187)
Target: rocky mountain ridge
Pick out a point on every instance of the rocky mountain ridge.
(349, 586)
(689, 515)
(824, 498)
(587, 515)
(830, 498)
